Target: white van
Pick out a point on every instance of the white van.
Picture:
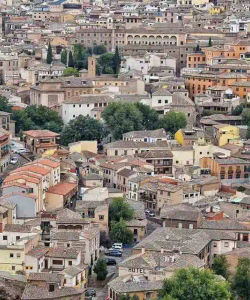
(117, 246)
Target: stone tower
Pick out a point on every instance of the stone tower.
(91, 67)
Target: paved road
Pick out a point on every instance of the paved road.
(102, 293)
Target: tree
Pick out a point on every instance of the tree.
(195, 284)
(70, 72)
(64, 57)
(106, 62)
(23, 121)
(197, 49)
(248, 133)
(168, 297)
(246, 116)
(79, 55)
(173, 121)
(118, 209)
(241, 280)
(120, 233)
(4, 104)
(238, 110)
(121, 118)
(49, 55)
(71, 60)
(150, 117)
(100, 269)
(82, 128)
(117, 61)
(42, 116)
(241, 189)
(220, 266)
(210, 44)
(127, 297)
(99, 49)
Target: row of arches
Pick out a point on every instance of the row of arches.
(152, 39)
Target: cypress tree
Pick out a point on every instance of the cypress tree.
(49, 55)
(117, 61)
(64, 55)
(210, 44)
(197, 49)
(71, 61)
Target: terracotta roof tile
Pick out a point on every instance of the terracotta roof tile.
(49, 162)
(40, 133)
(62, 188)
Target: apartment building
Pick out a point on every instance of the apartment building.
(16, 242)
(228, 169)
(39, 141)
(27, 185)
(4, 149)
(85, 105)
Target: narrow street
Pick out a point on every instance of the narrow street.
(102, 292)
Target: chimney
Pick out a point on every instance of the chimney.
(162, 250)
(91, 67)
(142, 250)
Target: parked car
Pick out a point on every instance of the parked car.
(90, 293)
(151, 214)
(14, 160)
(20, 150)
(147, 211)
(117, 245)
(110, 261)
(115, 253)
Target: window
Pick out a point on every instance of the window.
(191, 226)
(101, 217)
(70, 262)
(159, 101)
(13, 268)
(116, 152)
(226, 244)
(18, 255)
(57, 262)
(11, 255)
(51, 288)
(17, 237)
(5, 237)
(179, 225)
(215, 245)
